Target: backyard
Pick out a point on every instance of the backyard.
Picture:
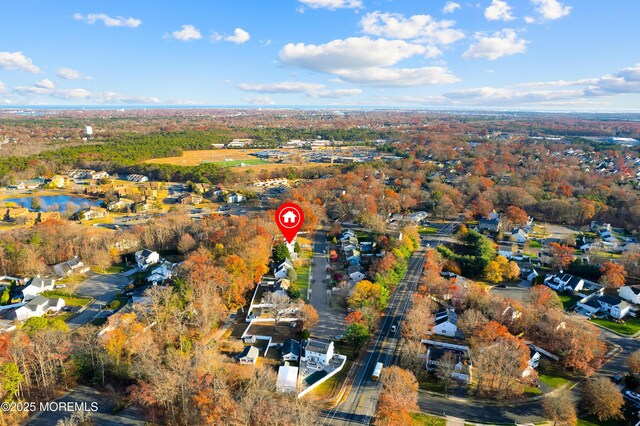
(630, 327)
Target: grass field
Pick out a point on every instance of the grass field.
(629, 328)
(302, 282)
(229, 158)
(69, 300)
(551, 374)
(568, 301)
(418, 419)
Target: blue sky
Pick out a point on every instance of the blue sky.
(536, 54)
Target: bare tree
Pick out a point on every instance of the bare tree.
(560, 408)
(602, 399)
(445, 368)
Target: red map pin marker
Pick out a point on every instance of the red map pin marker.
(289, 218)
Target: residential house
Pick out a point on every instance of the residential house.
(630, 293)
(355, 273)
(347, 234)
(283, 269)
(90, 213)
(36, 307)
(287, 379)
(249, 356)
(218, 191)
(239, 143)
(462, 367)
(234, 198)
(291, 350)
(564, 282)
(145, 258)
(137, 178)
(352, 256)
(119, 205)
(600, 226)
(519, 235)
(491, 223)
(446, 323)
(161, 273)
(36, 286)
(533, 361)
(614, 306)
(318, 351)
(69, 267)
(189, 198)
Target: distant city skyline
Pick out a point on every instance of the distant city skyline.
(498, 54)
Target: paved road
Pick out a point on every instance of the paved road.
(360, 405)
(330, 321)
(85, 396)
(102, 287)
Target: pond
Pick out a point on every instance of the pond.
(52, 203)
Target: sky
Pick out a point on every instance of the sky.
(504, 54)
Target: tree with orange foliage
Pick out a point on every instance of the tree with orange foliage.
(516, 216)
(613, 275)
(561, 256)
(399, 397)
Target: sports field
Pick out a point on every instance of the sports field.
(228, 158)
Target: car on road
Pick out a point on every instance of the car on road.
(501, 286)
(394, 328)
(617, 378)
(633, 395)
(339, 337)
(59, 286)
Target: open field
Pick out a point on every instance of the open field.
(229, 158)
(218, 156)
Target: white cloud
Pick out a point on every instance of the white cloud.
(551, 9)
(45, 84)
(422, 28)
(450, 7)
(259, 100)
(399, 77)
(312, 90)
(282, 87)
(529, 19)
(499, 10)
(350, 53)
(3, 88)
(17, 61)
(332, 4)
(46, 88)
(107, 20)
(187, 33)
(239, 36)
(71, 74)
(492, 47)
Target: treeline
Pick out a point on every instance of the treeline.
(125, 150)
(352, 134)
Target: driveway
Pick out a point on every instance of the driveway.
(101, 287)
(330, 321)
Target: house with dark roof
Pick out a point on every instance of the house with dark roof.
(564, 282)
(489, 224)
(614, 306)
(319, 351)
(145, 258)
(36, 286)
(36, 307)
(630, 293)
(446, 323)
(69, 267)
(291, 350)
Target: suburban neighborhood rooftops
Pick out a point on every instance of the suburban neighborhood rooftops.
(448, 315)
(318, 346)
(613, 301)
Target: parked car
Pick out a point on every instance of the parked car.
(394, 328)
(633, 395)
(59, 286)
(617, 378)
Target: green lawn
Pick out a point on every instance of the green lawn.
(69, 300)
(334, 383)
(418, 419)
(551, 374)
(301, 284)
(431, 384)
(568, 301)
(592, 421)
(239, 162)
(531, 391)
(535, 244)
(115, 269)
(629, 328)
(427, 230)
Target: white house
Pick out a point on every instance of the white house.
(291, 350)
(614, 306)
(630, 293)
(319, 351)
(249, 356)
(283, 269)
(287, 379)
(532, 363)
(69, 267)
(162, 272)
(145, 258)
(446, 323)
(357, 276)
(234, 198)
(519, 235)
(564, 282)
(37, 307)
(36, 286)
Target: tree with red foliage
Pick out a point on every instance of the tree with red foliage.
(399, 397)
(516, 216)
(613, 275)
(561, 256)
